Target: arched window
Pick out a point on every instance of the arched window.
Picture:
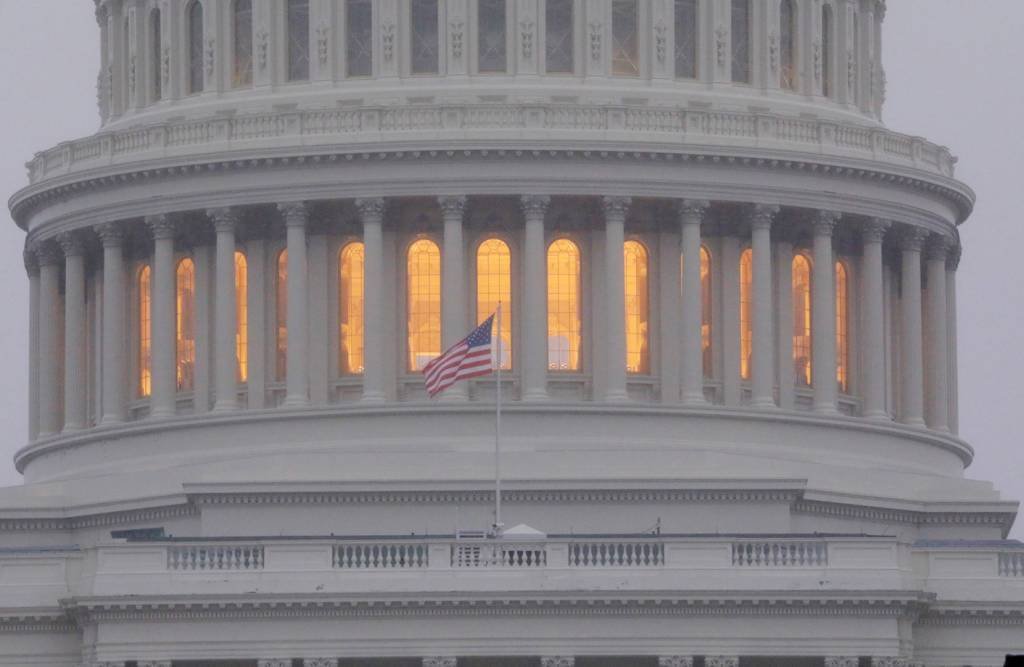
(424, 53)
(558, 36)
(826, 50)
(802, 320)
(359, 37)
(241, 317)
(241, 43)
(625, 47)
(144, 294)
(494, 285)
(638, 357)
(194, 19)
(563, 306)
(155, 55)
(746, 312)
(281, 317)
(298, 40)
(491, 38)
(424, 307)
(705, 313)
(787, 44)
(741, 23)
(351, 276)
(686, 38)
(185, 324)
(842, 328)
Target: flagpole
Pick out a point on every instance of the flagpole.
(497, 435)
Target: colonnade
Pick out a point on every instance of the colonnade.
(926, 363)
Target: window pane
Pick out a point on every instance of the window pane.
(625, 61)
(359, 38)
(787, 44)
(494, 285)
(705, 312)
(558, 36)
(826, 51)
(185, 329)
(298, 40)
(195, 47)
(350, 336)
(686, 39)
(746, 313)
(563, 306)
(241, 33)
(741, 41)
(145, 360)
(491, 32)
(155, 67)
(281, 316)
(424, 54)
(424, 309)
(241, 317)
(638, 358)
(802, 320)
(842, 329)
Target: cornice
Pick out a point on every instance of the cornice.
(1004, 520)
(973, 613)
(96, 520)
(35, 620)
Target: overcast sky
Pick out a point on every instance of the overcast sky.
(953, 76)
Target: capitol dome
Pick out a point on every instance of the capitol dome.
(729, 417)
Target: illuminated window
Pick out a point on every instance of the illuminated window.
(298, 40)
(241, 43)
(705, 312)
(686, 39)
(625, 52)
(563, 306)
(281, 316)
(746, 312)
(194, 18)
(787, 44)
(351, 278)
(802, 320)
(638, 357)
(185, 324)
(558, 36)
(155, 67)
(842, 328)
(826, 50)
(425, 51)
(359, 37)
(241, 317)
(740, 21)
(494, 285)
(144, 295)
(424, 308)
(491, 36)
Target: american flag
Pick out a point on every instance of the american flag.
(469, 358)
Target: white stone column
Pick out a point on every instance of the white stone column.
(951, 340)
(873, 323)
(371, 212)
(691, 215)
(164, 384)
(936, 370)
(784, 322)
(319, 329)
(764, 341)
(114, 352)
(912, 371)
(823, 315)
(732, 393)
(74, 331)
(32, 269)
(296, 217)
(534, 364)
(454, 322)
(669, 315)
(225, 323)
(50, 317)
(615, 209)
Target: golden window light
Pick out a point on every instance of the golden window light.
(746, 313)
(842, 328)
(802, 320)
(241, 317)
(705, 313)
(281, 316)
(494, 285)
(185, 329)
(638, 358)
(144, 387)
(563, 306)
(424, 303)
(351, 277)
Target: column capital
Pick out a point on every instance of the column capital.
(953, 258)
(71, 243)
(320, 662)
(534, 206)
(825, 222)
(557, 661)
(692, 211)
(762, 215)
(874, 230)
(371, 209)
(615, 206)
(28, 255)
(913, 238)
(224, 218)
(675, 661)
(48, 252)
(841, 661)
(938, 247)
(439, 662)
(452, 206)
(295, 213)
(111, 234)
(721, 661)
(161, 226)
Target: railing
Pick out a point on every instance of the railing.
(779, 554)
(380, 556)
(1011, 564)
(616, 554)
(195, 557)
(491, 555)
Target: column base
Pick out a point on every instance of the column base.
(878, 416)
(826, 409)
(295, 402)
(535, 395)
(162, 414)
(219, 408)
(916, 423)
(373, 397)
(695, 400)
(111, 420)
(763, 403)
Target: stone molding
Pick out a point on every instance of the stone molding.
(887, 661)
(274, 662)
(875, 229)
(762, 215)
(156, 663)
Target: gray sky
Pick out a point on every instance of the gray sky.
(953, 76)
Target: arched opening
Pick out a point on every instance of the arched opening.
(563, 306)
(194, 23)
(241, 43)
(746, 312)
(185, 325)
(802, 320)
(351, 277)
(241, 317)
(842, 328)
(787, 44)
(144, 349)
(494, 285)
(638, 357)
(423, 295)
(281, 317)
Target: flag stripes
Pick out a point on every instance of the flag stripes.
(469, 358)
